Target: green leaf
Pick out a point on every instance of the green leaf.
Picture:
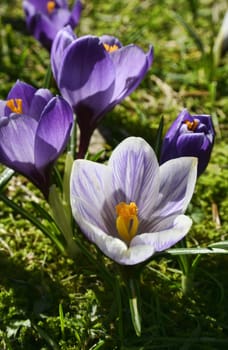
(158, 141)
(20, 210)
(5, 177)
(186, 251)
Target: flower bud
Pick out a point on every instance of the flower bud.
(189, 136)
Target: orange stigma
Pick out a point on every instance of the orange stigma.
(110, 48)
(50, 6)
(15, 104)
(127, 222)
(192, 125)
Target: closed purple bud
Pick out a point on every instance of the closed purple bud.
(189, 136)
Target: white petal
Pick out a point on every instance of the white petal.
(113, 247)
(165, 239)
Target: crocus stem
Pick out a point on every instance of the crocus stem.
(84, 143)
(133, 293)
(73, 140)
(48, 78)
(187, 275)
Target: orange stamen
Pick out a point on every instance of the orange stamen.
(110, 48)
(50, 6)
(192, 125)
(127, 220)
(15, 104)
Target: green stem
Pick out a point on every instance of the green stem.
(134, 305)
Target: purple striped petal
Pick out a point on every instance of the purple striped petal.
(88, 87)
(131, 64)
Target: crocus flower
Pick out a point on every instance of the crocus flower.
(94, 74)
(132, 208)
(34, 130)
(45, 18)
(189, 136)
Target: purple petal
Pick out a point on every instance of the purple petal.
(53, 131)
(17, 142)
(39, 101)
(89, 84)
(60, 18)
(131, 65)
(22, 91)
(62, 40)
(2, 108)
(38, 5)
(43, 29)
(75, 14)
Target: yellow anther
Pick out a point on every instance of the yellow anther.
(50, 6)
(127, 220)
(15, 104)
(192, 125)
(110, 48)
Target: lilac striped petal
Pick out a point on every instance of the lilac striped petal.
(178, 178)
(89, 182)
(53, 131)
(135, 175)
(168, 237)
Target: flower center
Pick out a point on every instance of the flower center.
(50, 6)
(15, 105)
(127, 220)
(110, 48)
(192, 125)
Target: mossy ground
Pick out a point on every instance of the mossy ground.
(49, 301)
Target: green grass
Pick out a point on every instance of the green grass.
(50, 301)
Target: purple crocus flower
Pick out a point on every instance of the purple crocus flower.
(94, 74)
(132, 208)
(189, 136)
(34, 130)
(45, 18)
